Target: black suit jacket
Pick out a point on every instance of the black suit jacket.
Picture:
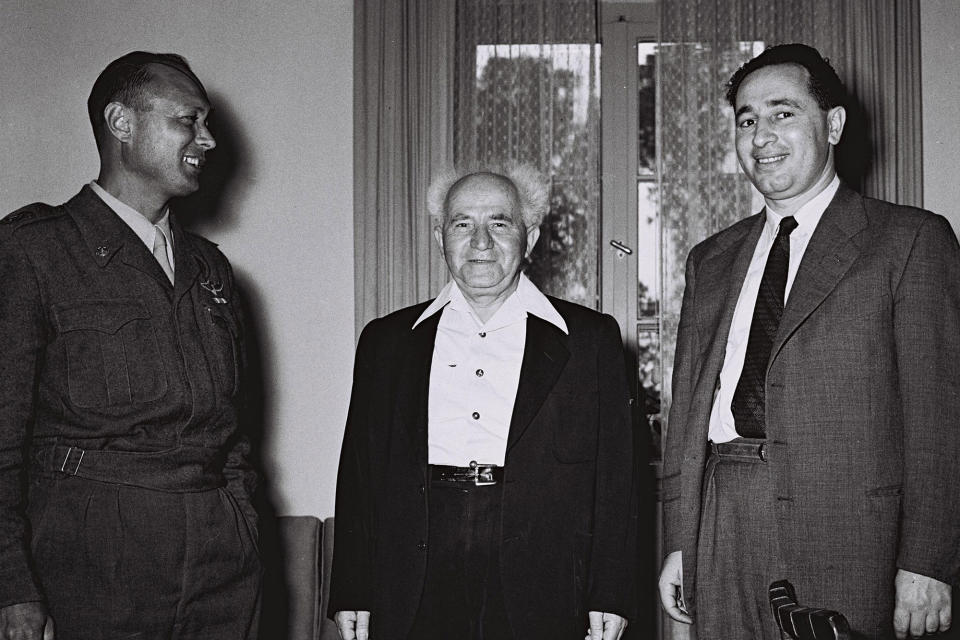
(567, 544)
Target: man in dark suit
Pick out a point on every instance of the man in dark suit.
(485, 479)
(814, 440)
(125, 489)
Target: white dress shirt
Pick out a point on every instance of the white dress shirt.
(144, 229)
(475, 373)
(722, 427)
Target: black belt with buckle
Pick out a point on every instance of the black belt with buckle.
(477, 474)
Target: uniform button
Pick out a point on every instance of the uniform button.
(423, 489)
(483, 334)
(476, 416)
(479, 373)
(422, 546)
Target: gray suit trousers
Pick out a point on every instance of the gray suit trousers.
(737, 557)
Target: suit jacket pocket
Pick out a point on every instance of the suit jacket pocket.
(111, 352)
(889, 490)
(574, 419)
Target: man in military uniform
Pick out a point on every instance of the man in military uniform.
(124, 484)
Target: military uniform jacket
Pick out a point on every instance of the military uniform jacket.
(98, 350)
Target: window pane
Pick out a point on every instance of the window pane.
(646, 108)
(650, 374)
(701, 187)
(564, 261)
(540, 104)
(648, 251)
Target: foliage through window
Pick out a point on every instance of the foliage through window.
(527, 89)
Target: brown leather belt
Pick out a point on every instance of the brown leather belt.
(743, 448)
(476, 474)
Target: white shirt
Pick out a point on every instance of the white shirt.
(144, 229)
(475, 373)
(722, 428)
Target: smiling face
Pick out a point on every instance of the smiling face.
(483, 237)
(784, 139)
(165, 150)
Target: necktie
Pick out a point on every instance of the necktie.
(160, 253)
(749, 399)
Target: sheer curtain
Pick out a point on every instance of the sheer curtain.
(527, 89)
(874, 46)
(403, 123)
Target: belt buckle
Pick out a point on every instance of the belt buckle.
(482, 474)
(66, 458)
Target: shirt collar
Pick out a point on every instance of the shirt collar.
(807, 216)
(144, 229)
(526, 300)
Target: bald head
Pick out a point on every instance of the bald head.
(485, 182)
(529, 189)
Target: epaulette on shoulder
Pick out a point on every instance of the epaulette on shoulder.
(31, 213)
(200, 239)
(206, 247)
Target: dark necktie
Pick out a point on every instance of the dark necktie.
(749, 400)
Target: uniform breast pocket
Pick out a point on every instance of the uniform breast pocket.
(223, 347)
(111, 352)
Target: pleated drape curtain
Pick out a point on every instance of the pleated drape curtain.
(403, 133)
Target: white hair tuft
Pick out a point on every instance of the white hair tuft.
(533, 189)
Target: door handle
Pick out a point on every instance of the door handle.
(621, 248)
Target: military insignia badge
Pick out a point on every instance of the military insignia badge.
(214, 288)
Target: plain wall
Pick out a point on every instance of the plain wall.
(940, 75)
(280, 76)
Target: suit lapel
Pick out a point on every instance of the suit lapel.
(720, 277)
(829, 255)
(413, 385)
(544, 355)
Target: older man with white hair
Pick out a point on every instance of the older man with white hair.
(485, 482)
